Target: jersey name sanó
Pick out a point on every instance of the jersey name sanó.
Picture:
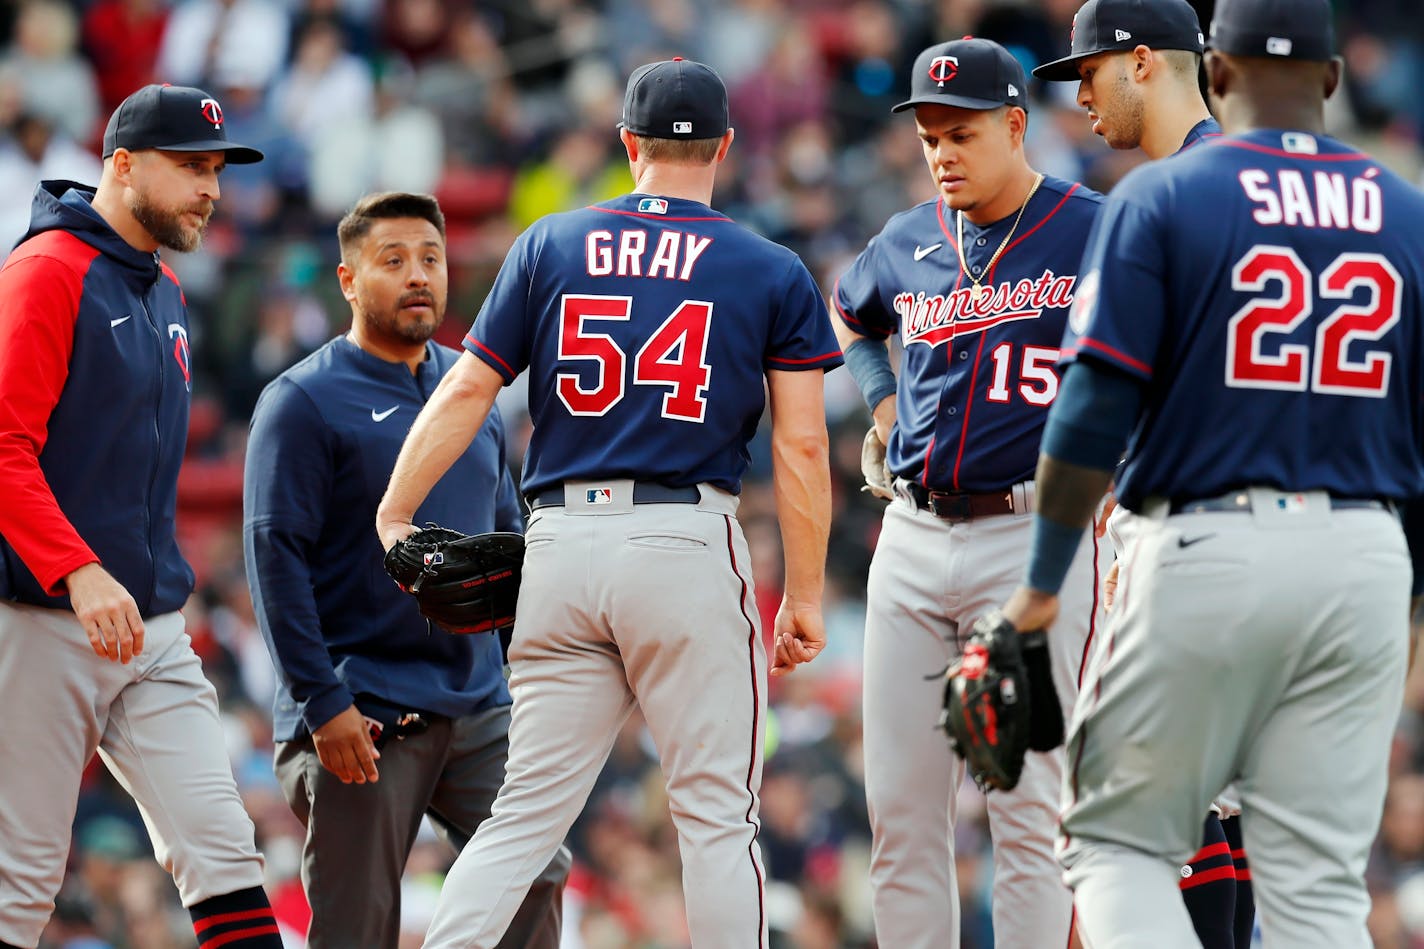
(1358, 205)
(934, 319)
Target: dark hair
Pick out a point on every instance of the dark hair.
(384, 207)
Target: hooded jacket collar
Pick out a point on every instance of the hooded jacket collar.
(68, 205)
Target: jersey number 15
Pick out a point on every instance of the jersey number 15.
(1294, 367)
(674, 357)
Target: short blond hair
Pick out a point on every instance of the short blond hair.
(679, 151)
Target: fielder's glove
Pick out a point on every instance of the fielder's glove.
(999, 702)
(465, 583)
(878, 479)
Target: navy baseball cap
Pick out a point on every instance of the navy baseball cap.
(1285, 29)
(175, 119)
(1110, 26)
(969, 74)
(676, 98)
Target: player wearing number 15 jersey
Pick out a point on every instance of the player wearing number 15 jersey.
(978, 283)
(651, 327)
(1253, 316)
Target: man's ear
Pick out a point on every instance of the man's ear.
(347, 278)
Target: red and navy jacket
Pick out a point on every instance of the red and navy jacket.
(94, 390)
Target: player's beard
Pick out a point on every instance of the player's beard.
(1128, 112)
(414, 332)
(165, 225)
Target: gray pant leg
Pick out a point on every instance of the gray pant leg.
(464, 794)
(164, 742)
(359, 836)
(57, 692)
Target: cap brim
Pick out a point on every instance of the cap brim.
(959, 102)
(1065, 69)
(235, 154)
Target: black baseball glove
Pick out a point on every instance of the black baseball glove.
(465, 583)
(999, 702)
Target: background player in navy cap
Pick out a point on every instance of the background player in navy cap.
(1253, 335)
(350, 647)
(1137, 64)
(651, 326)
(978, 283)
(95, 382)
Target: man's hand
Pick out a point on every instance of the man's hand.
(344, 747)
(107, 611)
(1030, 609)
(799, 635)
(392, 532)
(1110, 586)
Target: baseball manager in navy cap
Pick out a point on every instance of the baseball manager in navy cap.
(95, 385)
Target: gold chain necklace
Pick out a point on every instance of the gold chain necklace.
(975, 290)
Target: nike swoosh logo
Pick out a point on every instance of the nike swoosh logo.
(922, 252)
(122, 319)
(1184, 542)
(382, 416)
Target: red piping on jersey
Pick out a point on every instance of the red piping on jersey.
(222, 919)
(849, 320)
(1197, 141)
(1025, 236)
(1122, 357)
(661, 217)
(756, 718)
(968, 405)
(492, 354)
(925, 477)
(269, 930)
(1282, 153)
(1203, 877)
(804, 362)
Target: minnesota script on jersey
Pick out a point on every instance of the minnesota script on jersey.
(979, 372)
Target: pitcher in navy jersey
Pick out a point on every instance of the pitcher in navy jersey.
(1251, 329)
(1137, 64)
(651, 326)
(978, 283)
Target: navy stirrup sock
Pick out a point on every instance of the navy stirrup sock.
(241, 920)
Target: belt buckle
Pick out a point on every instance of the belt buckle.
(950, 507)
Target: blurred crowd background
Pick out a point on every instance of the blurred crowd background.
(505, 109)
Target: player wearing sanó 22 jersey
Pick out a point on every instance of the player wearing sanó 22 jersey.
(1251, 315)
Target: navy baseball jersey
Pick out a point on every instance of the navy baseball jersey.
(1299, 371)
(1204, 131)
(978, 373)
(632, 315)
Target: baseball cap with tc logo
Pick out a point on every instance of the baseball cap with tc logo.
(969, 74)
(675, 98)
(175, 119)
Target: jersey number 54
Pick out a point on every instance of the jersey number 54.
(674, 357)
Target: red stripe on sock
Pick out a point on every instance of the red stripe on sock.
(1219, 849)
(1239, 853)
(1208, 876)
(236, 934)
(220, 919)
(1243, 874)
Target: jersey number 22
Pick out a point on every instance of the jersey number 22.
(1294, 367)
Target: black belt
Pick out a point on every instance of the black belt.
(644, 492)
(1240, 501)
(961, 505)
